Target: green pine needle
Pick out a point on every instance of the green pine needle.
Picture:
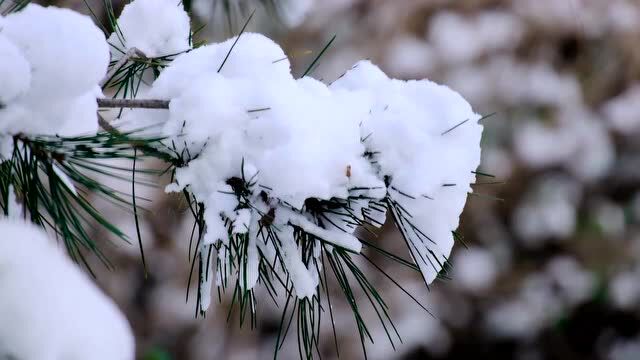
(311, 66)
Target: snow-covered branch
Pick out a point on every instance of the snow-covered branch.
(279, 172)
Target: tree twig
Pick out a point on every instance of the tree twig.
(133, 103)
(120, 63)
(104, 124)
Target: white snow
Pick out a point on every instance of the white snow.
(548, 210)
(409, 56)
(474, 269)
(533, 307)
(15, 209)
(524, 315)
(241, 223)
(52, 84)
(623, 349)
(458, 39)
(240, 114)
(623, 16)
(624, 289)
(291, 12)
(578, 141)
(542, 299)
(155, 27)
(341, 239)
(15, 71)
(517, 83)
(610, 217)
(64, 179)
(424, 136)
(623, 111)
(574, 283)
(206, 280)
(63, 318)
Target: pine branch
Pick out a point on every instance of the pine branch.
(49, 176)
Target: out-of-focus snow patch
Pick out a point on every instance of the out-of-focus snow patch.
(409, 56)
(542, 298)
(291, 12)
(548, 210)
(474, 269)
(574, 284)
(578, 141)
(516, 83)
(610, 217)
(623, 111)
(458, 39)
(523, 316)
(624, 350)
(624, 289)
(65, 318)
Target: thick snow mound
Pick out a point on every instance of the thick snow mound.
(50, 72)
(155, 27)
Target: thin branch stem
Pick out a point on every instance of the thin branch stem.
(133, 103)
(120, 63)
(104, 124)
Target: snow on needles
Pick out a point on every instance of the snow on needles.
(65, 318)
(155, 27)
(263, 149)
(50, 72)
(425, 139)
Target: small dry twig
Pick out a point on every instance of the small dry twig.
(123, 60)
(133, 103)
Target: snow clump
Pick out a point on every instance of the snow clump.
(155, 27)
(44, 97)
(68, 318)
(264, 150)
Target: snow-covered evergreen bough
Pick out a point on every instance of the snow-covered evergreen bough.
(282, 174)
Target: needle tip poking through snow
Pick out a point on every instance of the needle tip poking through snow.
(61, 318)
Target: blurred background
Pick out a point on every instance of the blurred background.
(551, 266)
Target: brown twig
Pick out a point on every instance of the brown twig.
(120, 63)
(133, 103)
(104, 124)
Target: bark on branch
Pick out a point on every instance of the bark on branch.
(133, 103)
